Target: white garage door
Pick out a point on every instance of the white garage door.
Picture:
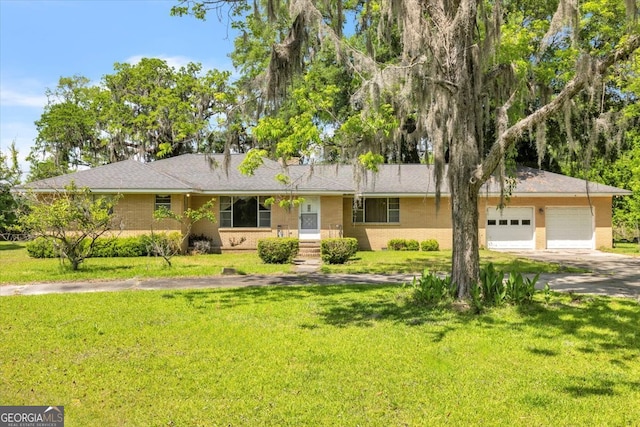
(569, 228)
(511, 228)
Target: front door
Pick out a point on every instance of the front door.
(309, 225)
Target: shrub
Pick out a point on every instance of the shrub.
(201, 244)
(403, 245)
(278, 250)
(519, 289)
(120, 247)
(396, 244)
(41, 248)
(106, 247)
(339, 250)
(202, 247)
(130, 247)
(431, 289)
(430, 245)
(494, 290)
(161, 244)
(412, 245)
(492, 286)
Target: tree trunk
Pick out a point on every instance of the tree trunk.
(465, 148)
(465, 258)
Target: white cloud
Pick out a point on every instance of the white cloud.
(181, 61)
(18, 98)
(173, 61)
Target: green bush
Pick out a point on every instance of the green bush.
(412, 245)
(493, 289)
(430, 245)
(161, 244)
(108, 247)
(278, 250)
(403, 245)
(430, 289)
(492, 286)
(120, 247)
(339, 250)
(41, 248)
(396, 244)
(520, 289)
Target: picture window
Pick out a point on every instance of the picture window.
(244, 211)
(380, 210)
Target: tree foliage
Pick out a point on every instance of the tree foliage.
(164, 247)
(147, 110)
(471, 79)
(10, 175)
(74, 219)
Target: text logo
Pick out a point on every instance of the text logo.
(31, 416)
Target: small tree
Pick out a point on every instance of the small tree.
(165, 246)
(9, 176)
(73, 219)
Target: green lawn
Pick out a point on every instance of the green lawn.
(18, 267)
(632, 249)
(385, 262)
(319, 356)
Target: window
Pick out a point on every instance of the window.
(515, 222)
(163, 201)
(244, 211)
(503, 222)
(377, 210)
(491, 222)
(526, 222)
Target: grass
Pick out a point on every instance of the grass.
(19, 268)
(632, 249)
(319, 356)
(385, 262)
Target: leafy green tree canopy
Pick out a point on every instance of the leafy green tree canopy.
(74, 219)
(472, 76)
(147, 110)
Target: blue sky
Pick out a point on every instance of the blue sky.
(41, 41)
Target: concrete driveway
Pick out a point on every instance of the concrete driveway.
(611, 274)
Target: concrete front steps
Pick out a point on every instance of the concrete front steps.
(309, 249)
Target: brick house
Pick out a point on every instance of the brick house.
(545, 210)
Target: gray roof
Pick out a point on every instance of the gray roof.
(208, 174)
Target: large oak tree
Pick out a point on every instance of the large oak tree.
(147, 110)
(474, 76)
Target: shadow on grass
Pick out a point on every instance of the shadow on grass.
(416, 262)
(341, 306)
(609, 326)
(606, 324)
(8, 246)
(409, 265)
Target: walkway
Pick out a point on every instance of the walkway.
(613, 275)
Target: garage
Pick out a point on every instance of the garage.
(510, 228)
(569, 228)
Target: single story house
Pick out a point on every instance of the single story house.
(545, 210)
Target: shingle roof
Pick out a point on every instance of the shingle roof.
(207, 174)
(126, 176)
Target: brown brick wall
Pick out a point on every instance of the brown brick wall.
(135, 213)
(418, 220)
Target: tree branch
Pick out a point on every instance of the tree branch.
(573, 87)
